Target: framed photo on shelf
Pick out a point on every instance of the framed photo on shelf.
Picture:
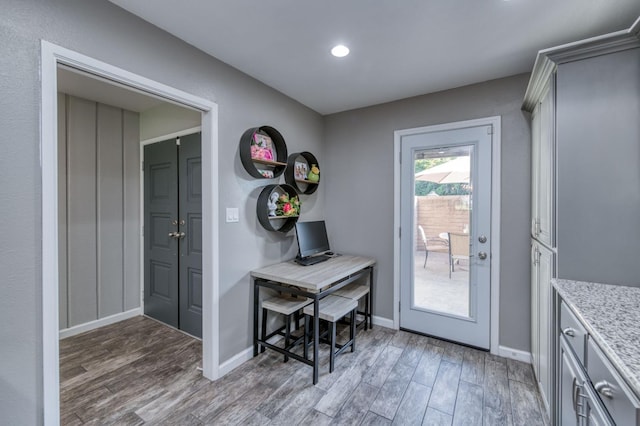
(300, 170)
(266, 173)
(262, 147)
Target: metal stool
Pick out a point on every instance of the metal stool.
(331, 309)
(356, 292)
(286, 305)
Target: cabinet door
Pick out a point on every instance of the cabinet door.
(535, 169)
(543, 172)
(535, 310)
(569, 404)
(596, 413)
(545, 273)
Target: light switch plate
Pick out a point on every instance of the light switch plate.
(232, 214)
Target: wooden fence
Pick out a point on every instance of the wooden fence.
(438, 214)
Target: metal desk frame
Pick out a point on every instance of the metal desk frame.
(340, 282)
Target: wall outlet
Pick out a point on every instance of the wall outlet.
(232, 214)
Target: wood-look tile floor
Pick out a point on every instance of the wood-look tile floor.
(141, 372)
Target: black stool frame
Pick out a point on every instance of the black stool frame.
(283, 288)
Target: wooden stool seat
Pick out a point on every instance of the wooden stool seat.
(331, 309)
(357, 291)
(286, 305)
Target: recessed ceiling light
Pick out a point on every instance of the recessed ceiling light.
(340, 51)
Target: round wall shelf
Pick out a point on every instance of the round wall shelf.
(293, 177)
(268, 158)
(275, 223)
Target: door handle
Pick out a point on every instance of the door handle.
(482, 255)
(173, 234)
(180, 235)
(604, 388)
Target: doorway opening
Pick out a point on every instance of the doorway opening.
(52, 58)
(446, 256)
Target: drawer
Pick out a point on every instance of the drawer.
(574, 331)
(621, 404)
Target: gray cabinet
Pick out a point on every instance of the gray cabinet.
(570, 386)
(543, 166)
(541, 325)
(590, 390)
(584, 98)
(577, 402)
(619, 401)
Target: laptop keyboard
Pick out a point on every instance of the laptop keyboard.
(312, 260)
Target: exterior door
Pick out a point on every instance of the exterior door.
(445, 245)
(173, 233)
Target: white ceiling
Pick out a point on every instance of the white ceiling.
(399, 48)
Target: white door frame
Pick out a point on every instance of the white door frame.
(495, 216)
(51, 56)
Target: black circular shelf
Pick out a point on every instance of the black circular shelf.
(286, 223)
(289, 173)
(251, 164)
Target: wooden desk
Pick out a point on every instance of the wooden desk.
(313, 281)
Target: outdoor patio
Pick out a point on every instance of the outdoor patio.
(434, 290)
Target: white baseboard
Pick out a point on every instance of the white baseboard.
(92, 325)
(241, 357)
(235, 361)
(245, 355)
(382, 322)
(515, 354)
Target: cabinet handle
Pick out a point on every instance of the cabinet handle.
(604, 388)
(569, 332)
(577, 398)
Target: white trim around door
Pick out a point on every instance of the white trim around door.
(495, 123)
(52, 56)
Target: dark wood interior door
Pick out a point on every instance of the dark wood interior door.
(173, 233)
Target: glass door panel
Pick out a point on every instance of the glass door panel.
(442, 215)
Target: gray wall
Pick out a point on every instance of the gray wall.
(103, 31)
(598, 134)
(99, 210)
(358, 175)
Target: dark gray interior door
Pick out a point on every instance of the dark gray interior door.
(161, 263)
(190, 210)
(173, 233)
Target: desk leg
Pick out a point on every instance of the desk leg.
(256, 302)
(316, 337)
(370, 300)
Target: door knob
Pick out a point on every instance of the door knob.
(482, 255)
(172, 234)
(482, 239)
(180, 234)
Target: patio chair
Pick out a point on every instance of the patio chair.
(432, 244)
(458, 249)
